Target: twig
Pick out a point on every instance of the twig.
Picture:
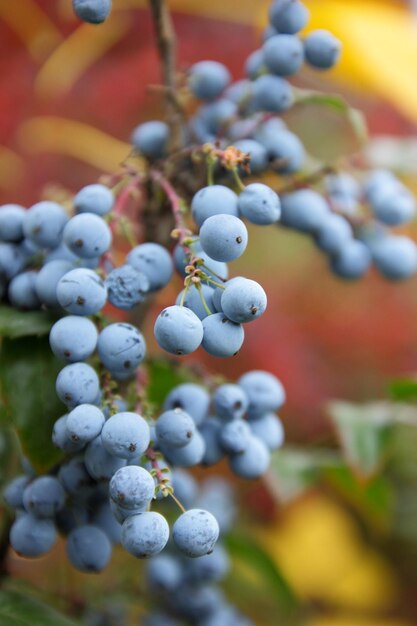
(175, 203)
(166, 43)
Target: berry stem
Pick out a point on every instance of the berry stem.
(203, 300)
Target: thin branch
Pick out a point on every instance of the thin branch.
(166, 42)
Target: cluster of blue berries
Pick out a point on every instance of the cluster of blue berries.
(184, 589)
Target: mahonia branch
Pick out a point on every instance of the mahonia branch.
(166, 43)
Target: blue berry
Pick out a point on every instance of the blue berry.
(253, 462)
(185, 487)
(216, 495)
(22, 291)
(164, 573)
(87, 235)
(126, 435)
(126, 287)
(288, 16)
(351, 261)
(61, 438)
(396, 257)
(95, 198)
(174, 428)
(77, 384)
(151, 139)
(193, 300)
(222, 337)
(47, 281)
(334, 234)
(230, 401)
(255, 64)
(208, 79)
(272, 94)
(44, 224)
(84, 423)
(73, 338)
(104, 519)
(224, 237)
(268, 428)
(11, 222)
(75, 479)
(191, 398)
(210, 567)
(13, 493)
(81, 292)
(285, 151)
(210, 430)
(188, 456)
(322, 49)
(178, 330)
(92, 11)
(44, 496)
(145, 535)
(218, 115)
(235, 436)
(100, 464)
(283, 54)
(260, 204)
(31, 536)
(243, 300)
(264, 390)
(376, 180)
(257, 153)
(393, 204)
(195, 533)
(121, 348)
(132, 487)
(12, 260)
(213, 200)
(88, 548)
(267, 129)
(154, 261)
(304, 210)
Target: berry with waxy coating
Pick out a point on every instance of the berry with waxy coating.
(264, 391)
(322, 49)
(126, 287)
(11, 222)
(222, 337)
(191, 398)
(174, 428)
(100, 464)
(145, 535)
(260, 204)
(121, 348)
(151, 138)
(178, 330)
(213, 200)
(44, 224)
(208, 79)
(126, 435)
(154, 261)
(195, 532)
(81, 292)
(47, 281)
(87, 235)
(85, 422)
(223, 237)
(44, 496)
(253, 462)
(92, 11)
(132, 487)
(95, 198)
(77, 384)
(230, 401)
(243, 300)
(88, 548)
(32, 536)
(73, 338)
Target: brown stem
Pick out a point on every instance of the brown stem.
(166, 43)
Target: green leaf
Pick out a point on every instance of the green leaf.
(294, 471)
(372, 499)
(19, 609)
(342, 129)
(28, 401)
(14, 324)
(163, 375)
(403, 389)
(244, 549)
(365, 432)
